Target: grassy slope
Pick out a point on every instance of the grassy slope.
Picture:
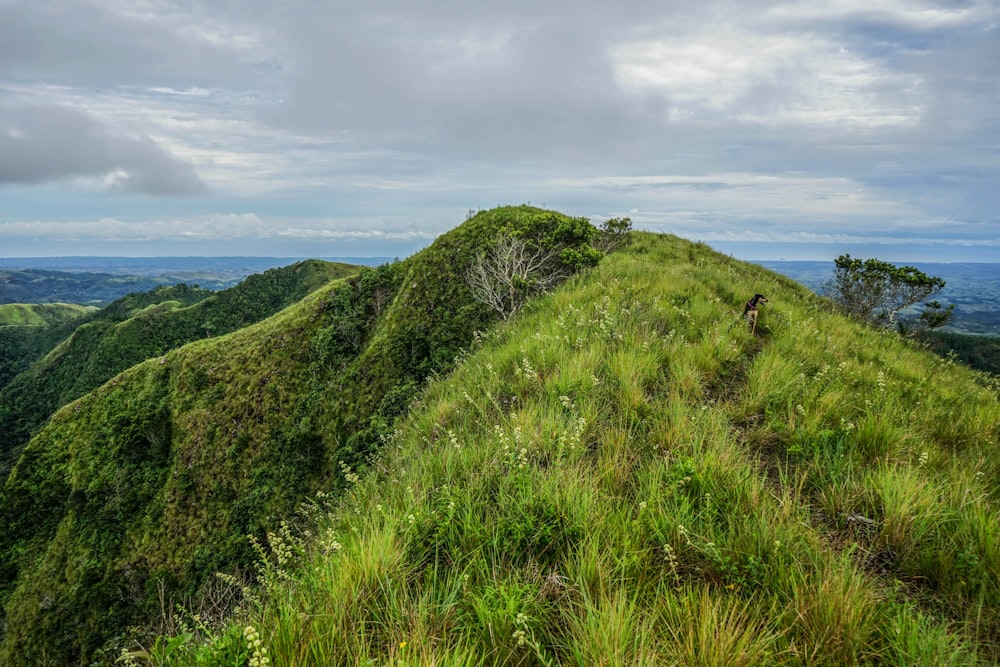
(133, 330)
(26, 330)
(158, 475)
(40, 314)
(623, 477)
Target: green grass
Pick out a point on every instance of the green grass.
(40, 314)
(623, 475)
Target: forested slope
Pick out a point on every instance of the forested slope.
(136, 328)
(28, 329)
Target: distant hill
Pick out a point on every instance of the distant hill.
(138, 327)
(44, 286)
(28, 330)
(40, 314)
(101, 280)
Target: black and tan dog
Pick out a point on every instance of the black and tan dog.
(750, 311)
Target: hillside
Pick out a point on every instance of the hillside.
(625, 476)
(40, 314)
(26, 330)
(149, 484)
(139, 327)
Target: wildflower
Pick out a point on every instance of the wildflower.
(349, 475)
(258, 652)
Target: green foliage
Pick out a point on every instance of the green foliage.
(532, 256)
(27, 331)
(614, 233)
(979, 352)
(876, 292)
(138, 327)
(40, 314)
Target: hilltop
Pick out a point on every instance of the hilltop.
(142, 489)
(624, 475)
(40, 314)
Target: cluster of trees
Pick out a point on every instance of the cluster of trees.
(877, 292)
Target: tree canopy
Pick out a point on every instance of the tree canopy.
(877, 292)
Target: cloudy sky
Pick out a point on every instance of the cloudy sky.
(798, 129)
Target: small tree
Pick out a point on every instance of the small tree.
(876, 292)
(512, 271)
(531, 255)
(614, 233)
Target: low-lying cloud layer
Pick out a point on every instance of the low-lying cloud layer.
(710, 119)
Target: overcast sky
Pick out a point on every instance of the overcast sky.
(322, 128)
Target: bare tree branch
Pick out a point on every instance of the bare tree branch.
(512, 271)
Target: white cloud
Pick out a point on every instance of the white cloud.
(215, 227)
(727, 76)
(912, 14)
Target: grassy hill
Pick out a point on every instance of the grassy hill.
(40, 314)
(136, 328)
(26, 331)
(138, 492)
(625, 476)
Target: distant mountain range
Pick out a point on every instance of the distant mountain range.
(97, 281)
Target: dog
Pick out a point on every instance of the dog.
(750, 311)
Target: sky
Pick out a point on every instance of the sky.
(769, 130)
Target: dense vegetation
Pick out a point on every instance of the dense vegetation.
(138, 327)
(151, 483)
(979, 352)
(26, 332)
(623, 475)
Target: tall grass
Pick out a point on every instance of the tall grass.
(625, 476)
